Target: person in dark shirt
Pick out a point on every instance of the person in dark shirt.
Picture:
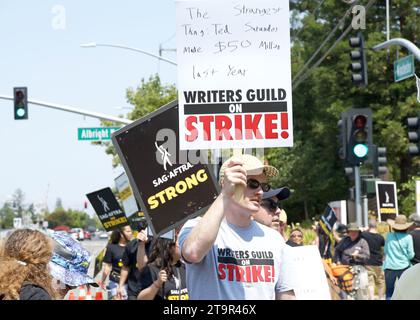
(352, 250)
(164, 277)
(296, 238)
(134, 259)
(415, 233)
(113, 259)
(374, 265)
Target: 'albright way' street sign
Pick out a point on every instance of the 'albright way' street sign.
(404, 68)
(96, 134)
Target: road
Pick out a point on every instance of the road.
(94, 247)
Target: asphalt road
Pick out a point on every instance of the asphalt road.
(94, 247)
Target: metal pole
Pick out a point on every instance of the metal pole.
(92, 114)
(387, 20)
(93, 44)
(357, 195)
(402, 42)
(365, 211)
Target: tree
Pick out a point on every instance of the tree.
(70, 218)
(58, 204)
(312, 167)
(18, 202)
(6, 216)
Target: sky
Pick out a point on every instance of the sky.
(40, 49)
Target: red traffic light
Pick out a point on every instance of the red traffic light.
(360, 121)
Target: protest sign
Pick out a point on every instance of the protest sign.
(308, 278)
(98, 262)
(386, 198)
(125, 194)
(169, 189)
(234, 74)
(107, 208)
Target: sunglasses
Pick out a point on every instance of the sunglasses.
(255, 184)
(270, 204)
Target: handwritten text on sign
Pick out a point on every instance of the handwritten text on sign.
(234, 74)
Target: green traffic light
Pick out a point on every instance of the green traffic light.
(20, 112)
(360, 150)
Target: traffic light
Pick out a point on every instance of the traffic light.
(414, 135)
(358, 64)
(379, 161)
(20, 103)
(359, 136)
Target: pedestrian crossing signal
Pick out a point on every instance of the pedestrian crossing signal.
(20, 103)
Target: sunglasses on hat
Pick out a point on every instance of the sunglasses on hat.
(255, 184)
(270, 204)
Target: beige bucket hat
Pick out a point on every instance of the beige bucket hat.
(400, 223)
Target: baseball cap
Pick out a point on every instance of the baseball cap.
(281, 193)
(252, 165)
(70, 261)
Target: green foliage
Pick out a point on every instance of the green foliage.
(6, 216)
(70, 218)
(312, 167)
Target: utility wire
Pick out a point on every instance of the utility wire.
(330, 35)
(305, 76)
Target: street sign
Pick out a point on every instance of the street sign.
(96, 134)
(404, 68)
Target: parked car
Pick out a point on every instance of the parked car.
(103, 235)
(87, 235)
(77, 234)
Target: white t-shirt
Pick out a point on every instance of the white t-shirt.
(243, 263)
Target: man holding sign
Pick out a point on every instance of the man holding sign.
(246, 253)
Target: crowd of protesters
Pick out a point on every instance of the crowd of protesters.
(206, 258)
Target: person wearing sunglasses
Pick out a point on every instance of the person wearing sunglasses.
(228, 255)
(271, 213)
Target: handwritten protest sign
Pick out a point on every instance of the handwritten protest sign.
(234, 74)
(308, 278)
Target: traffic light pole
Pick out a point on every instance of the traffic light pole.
(365, 211)
(87, 113)
(358, 202)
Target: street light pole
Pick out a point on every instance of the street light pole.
(87, 113)
(94, 44)
(402, 42)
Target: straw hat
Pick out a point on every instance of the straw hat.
(400, 223)
(353, 227)
(252, 165)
